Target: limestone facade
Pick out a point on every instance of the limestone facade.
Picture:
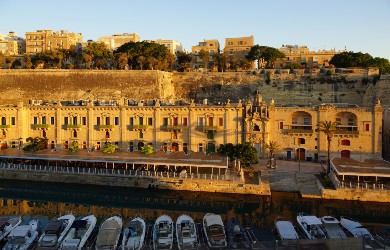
(11, 44)
(211, 46)
(117, 40)
(177, 128)
(172, 45)
(45, 40)
(294, 128)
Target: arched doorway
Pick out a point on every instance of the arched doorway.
(175, 146)
(140, 145)
(210, 148)
(185, 148)
(3, 145)
(300, 154)
(345, 153)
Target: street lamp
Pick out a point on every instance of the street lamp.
(299, 156)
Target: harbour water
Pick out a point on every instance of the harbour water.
(48, 200)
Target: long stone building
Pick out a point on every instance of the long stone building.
(196, 127)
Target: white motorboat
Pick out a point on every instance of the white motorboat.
(355, 228)
(7, 224)
(55, 232)
(23, 237)
(109, 233)
(286, 230)
(236, 234)
(186, 234)
(163, 233)
(78, 233)
(333, 228)
(214, 230)
(311, 226)
(134, 234)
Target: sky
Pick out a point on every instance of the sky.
(357, 25)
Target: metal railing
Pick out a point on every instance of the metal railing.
(118, 172)
(357, 185)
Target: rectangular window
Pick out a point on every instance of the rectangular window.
(4, 121)
(141, 121)
(131, 121)
(367, 127)
(280, 125)
(13, 121)
(141, 135)
(294, 120)
(35, 120)
(200, 121)
(97, 120)
(52, 120)
(165, 121)
(350, 122)
(306, 121)
(185, 121)
(108, 121)
(150, 121)
(84, 119)
(200, 147)
(116, 120)
(74, 120)
(66, 121)
(338, 121)
(220, 121)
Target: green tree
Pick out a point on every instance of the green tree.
(74, 148)
(36, 144)
(183, 60)
(148, 149)
(264, 54)
(272, 146)
(204, 55)
(109, 148)
(16, 64)
(28, 62)
(328, 128)
(359, 59)
(245, 152)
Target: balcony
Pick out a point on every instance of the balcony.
(104, 127)
(174, 127)
(300, 129)
(346, 132)
(138, 127)
(72, 126)
(5, 126)
(41, 126)
(208, 128)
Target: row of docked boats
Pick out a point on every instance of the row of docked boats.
(312, 227)
(68, 233)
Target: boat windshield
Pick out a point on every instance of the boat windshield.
(16, 240)
(216, 230)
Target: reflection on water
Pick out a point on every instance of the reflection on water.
(45, 200)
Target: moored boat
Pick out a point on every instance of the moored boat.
(311, 226)
(286, 230)
(214, 230)
(55, 232)
(333, 228)
(134, 234)
(109, 233)
(78, 233)
(355, 228)
(7, 224)
(163, 233)
(236, 235)
(24, 237)
(186, 234)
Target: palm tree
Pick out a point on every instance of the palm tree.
(328, 128)
(271, 146)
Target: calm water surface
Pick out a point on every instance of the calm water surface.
(45, 201)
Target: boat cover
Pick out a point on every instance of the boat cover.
(311, 220)
(286, 230)
(3, 222)
(53, 226)
(213, 219)
(108, 233)
(20, 231)
(79, 224)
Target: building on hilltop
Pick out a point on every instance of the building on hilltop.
(115, 41)
(239, 47)
(172, 45)
(301, 56)
(212, 47)
(46, 40)
(11, 44)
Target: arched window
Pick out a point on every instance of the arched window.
(256, 128)
(107, 134)
(43, 133)
(74, 133)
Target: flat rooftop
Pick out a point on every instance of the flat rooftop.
(370, 167)
(193, 159)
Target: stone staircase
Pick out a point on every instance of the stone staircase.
(283, 181)
(307, 185)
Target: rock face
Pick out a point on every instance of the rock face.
(285, 87)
